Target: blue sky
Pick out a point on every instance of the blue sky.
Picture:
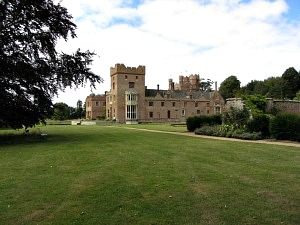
(294, 9)
(252, 39)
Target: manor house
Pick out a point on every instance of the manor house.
(130, 101)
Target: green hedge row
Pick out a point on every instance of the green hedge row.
(195, 122)
(285, 127)
(280, 127)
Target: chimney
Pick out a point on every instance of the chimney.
(170, 84)
(216, 86)
(158, 87)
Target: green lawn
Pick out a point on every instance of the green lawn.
(111, 175)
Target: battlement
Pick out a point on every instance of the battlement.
(122, 69)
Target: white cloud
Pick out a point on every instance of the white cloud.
(216, 39)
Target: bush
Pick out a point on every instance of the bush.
(195, 122)
(228, 131)
(248, 135)
(259, 123)
(285, 127)
(208, 130)
(237, 117)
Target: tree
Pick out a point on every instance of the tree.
(229, 87)
(256, 103)
(32, 71)
(205, 85)
(79, 109)
(61, 111)
(275, 87)
(297, 96)
(291, 82)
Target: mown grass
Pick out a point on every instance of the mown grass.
(112, 175)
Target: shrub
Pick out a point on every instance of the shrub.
(235, 116)
(198, 121)
(228, 131)
(259, 123)
(208, 130)
(285, 127)
(247, 135)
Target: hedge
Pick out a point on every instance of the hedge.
(259, 123)
(195, 122)
(285, 127)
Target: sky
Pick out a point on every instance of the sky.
(250, 39)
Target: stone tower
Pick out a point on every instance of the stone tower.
(127, 94)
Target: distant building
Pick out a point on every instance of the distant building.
(129, 100)
(95, 106)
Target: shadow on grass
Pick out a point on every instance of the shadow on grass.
(19, 137)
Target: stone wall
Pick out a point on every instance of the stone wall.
(288, 106)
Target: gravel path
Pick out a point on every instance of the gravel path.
(190, 134)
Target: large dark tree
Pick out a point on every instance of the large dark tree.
(31, 70)
(229, 87)
(291, 82)
(61, 111)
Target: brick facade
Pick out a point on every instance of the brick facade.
(95, 107)
(129, 100)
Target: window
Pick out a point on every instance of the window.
(185, 104)
(113, 85)
(136, 77)
(207, 111)
(182, 112)
(196, 104)
(131, 112)
(174, 104)
(131, 84)
(198, 111)
(169, 114)
(151, 114)
(217, 110)
(207, 104)
(104, 103)
(131, 97)
(162, 104)
(150, 103)
(126, 77)
(97, 103)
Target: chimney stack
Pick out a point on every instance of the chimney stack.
(216, 86)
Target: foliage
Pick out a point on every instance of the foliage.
(64, 112)
(291, 82)
(198, 121)
(236, 117)
(79, 110)
(244, 135)
(256, 103)
(259, 123)
(297, 96)
(228, 131)
(285, 127)
(61, 111)
(229, 87)
(205, 85)
(32, 71)
(284, 87)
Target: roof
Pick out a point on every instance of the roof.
(178, 94)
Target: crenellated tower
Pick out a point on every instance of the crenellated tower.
(127, 94)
